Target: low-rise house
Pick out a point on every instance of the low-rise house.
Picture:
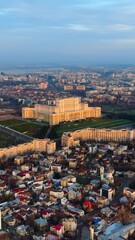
(22, 215)
(24, 168)
(56, 168)
(64, 201)
(74, 210)
(23, 175)
(10, 220)
(57, 193)
(47, 213)
(107, 211)
(58, 229)
(37, 186)
(40, 223)
(130, 193)
(70, 224)
(22, 230)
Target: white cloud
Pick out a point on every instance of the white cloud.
(74, 27)
(97, 28)
(121, 27)
(79, 27)
(5, 11)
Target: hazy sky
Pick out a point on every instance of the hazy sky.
(67, 31)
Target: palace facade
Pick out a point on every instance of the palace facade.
(62, 110)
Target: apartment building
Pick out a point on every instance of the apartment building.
(72, 138)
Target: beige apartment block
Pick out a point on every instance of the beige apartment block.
(38, 145)
(64, 109)
(80, 87)
(51, 147)
(68, 87)
(72, 138)
(43, 85)
(70, 224)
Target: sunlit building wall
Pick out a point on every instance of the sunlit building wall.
(65, 109)
(38, 145)
(73, 138)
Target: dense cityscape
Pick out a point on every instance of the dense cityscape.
(67, 120)
(67, 150)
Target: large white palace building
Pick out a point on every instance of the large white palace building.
(62, 110)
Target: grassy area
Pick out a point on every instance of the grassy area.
(126, 111)
(95, 123)
(118, 109)
(10, 122)
(6, 140)
(111, 108)
(28, 127)
(38, 130)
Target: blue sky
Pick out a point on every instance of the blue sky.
(67, 31)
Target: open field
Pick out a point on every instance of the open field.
(29, 128)
(91, 123)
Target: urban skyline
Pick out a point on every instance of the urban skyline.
(67, 167)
